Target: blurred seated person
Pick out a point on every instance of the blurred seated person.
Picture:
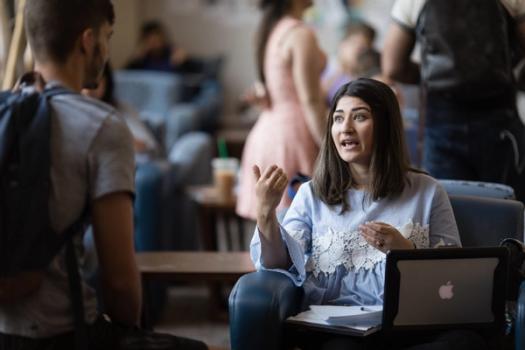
(356, 58)
(156, 52)
(146, 146)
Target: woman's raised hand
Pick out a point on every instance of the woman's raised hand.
(384, 237)
(269, 188)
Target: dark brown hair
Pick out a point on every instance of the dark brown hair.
(54, 26)
(273, 11)
(390, 162)
(151, 27)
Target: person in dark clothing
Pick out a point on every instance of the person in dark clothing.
(472, 129)
(155, 52)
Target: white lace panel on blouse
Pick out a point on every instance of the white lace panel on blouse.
(335, 248)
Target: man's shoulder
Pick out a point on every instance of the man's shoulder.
(84, 104)
(406, 12)
(84, 111)
(81, 120)
(516, 8)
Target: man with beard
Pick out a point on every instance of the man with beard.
(92, 170)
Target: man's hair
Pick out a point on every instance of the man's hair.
(54, 26)
(151, 27)
(390, 161)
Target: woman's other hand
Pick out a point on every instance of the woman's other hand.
(256, 96)
(384, 237)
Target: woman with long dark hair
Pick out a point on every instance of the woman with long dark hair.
(363, 201)
(289, 130)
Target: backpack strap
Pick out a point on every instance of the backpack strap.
(74, 280)
(75, 283)
(77, 302)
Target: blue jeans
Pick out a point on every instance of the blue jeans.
(479, 145)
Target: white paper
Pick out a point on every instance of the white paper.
(353, 316)
(342, 316)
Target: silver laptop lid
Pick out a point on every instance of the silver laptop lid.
(445, 288)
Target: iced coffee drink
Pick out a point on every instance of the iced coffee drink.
(224, 174)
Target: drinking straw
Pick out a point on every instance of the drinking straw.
(223, 150)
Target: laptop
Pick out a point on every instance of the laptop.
(430, 289)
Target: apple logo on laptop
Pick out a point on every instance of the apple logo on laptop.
(445, 291)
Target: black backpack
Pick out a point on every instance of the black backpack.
(465, 48)
(28, 244)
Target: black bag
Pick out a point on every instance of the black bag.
(465, 48)
(27, 242)
(516, 273)
(515, 276)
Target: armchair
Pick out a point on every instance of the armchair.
(175, 106)
(181, 103)
(487, 221)
(261, 301)
(165, 218)
(152, 93)
(477, 188)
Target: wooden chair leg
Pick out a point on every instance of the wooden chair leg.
(145, 318)
(240, 227)
(16, 47)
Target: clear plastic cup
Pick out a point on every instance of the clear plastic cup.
(224, 175)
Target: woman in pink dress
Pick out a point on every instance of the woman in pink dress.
(290, 129)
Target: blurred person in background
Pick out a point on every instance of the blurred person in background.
(290, 127)
(356, 58)
(472, 129)
(155, 51)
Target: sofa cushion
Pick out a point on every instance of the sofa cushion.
(151, 93)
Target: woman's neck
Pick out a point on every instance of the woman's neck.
(360, 176)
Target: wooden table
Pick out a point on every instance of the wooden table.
(194, 266)
(211, 207)
(211, 267)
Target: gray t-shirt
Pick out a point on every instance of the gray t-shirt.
(91, 156)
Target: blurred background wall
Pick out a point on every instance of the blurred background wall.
(228, 27)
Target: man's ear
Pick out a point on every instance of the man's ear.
(87, 41)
